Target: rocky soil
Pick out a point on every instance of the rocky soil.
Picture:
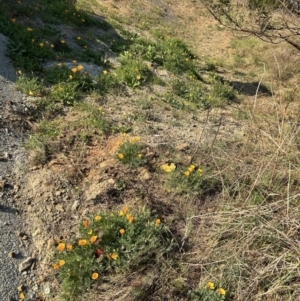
(18, 260)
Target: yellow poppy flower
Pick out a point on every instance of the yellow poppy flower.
(95, 276)
(122, 231)
(222, 292)
(97, 217)
(211, 285)
(191, 168)
(130, 218)
(62, 262)
(113, 256)
(125, 210)
(82, 242)
(168, 167)
(93, 239)
(80, 67)
(61, 247)
(120, 156)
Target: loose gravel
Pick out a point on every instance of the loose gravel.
(12, 157)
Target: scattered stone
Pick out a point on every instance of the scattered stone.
(51, 243)
(150, 156)
(4, 156)
(75, 205)
(97, 188)
(12, 254)
(46, 289)
(2, 184)
(33, 265)
(21, 288)
(36, 232)
(144, 174)
(58, 193)
(23, 235)
(59, 207)
(182, 147)
(26, 264)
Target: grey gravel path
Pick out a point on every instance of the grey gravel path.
(11, 159)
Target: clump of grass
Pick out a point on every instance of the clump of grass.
(133, 72)
(54, 136)
(108, 82)
(130, 153)
(220, 92)
(31, 86)
(189, 180)
(65, 93)
(109, 243)
(173, 54)
(191, 91)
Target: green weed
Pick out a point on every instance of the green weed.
(189, 180)
(65, 93)
(130, 153)
(109, 243)
(30, 86)
(133, 72)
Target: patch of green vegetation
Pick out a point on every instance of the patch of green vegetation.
(31, 86)
(133, 72)
(109, 243)
(130, 153)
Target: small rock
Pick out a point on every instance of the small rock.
(75, 205)
(4, 156)
(33, 266)
(144, 174)
(51, 243)
(58, 193)
(97, 188)
(182, 147)
(59, 207)
(36, 232)
(2, 183)
(46, 289)
(23, 235)
(26, 264)
(21, 288)
(150, 156)
(12, 254)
